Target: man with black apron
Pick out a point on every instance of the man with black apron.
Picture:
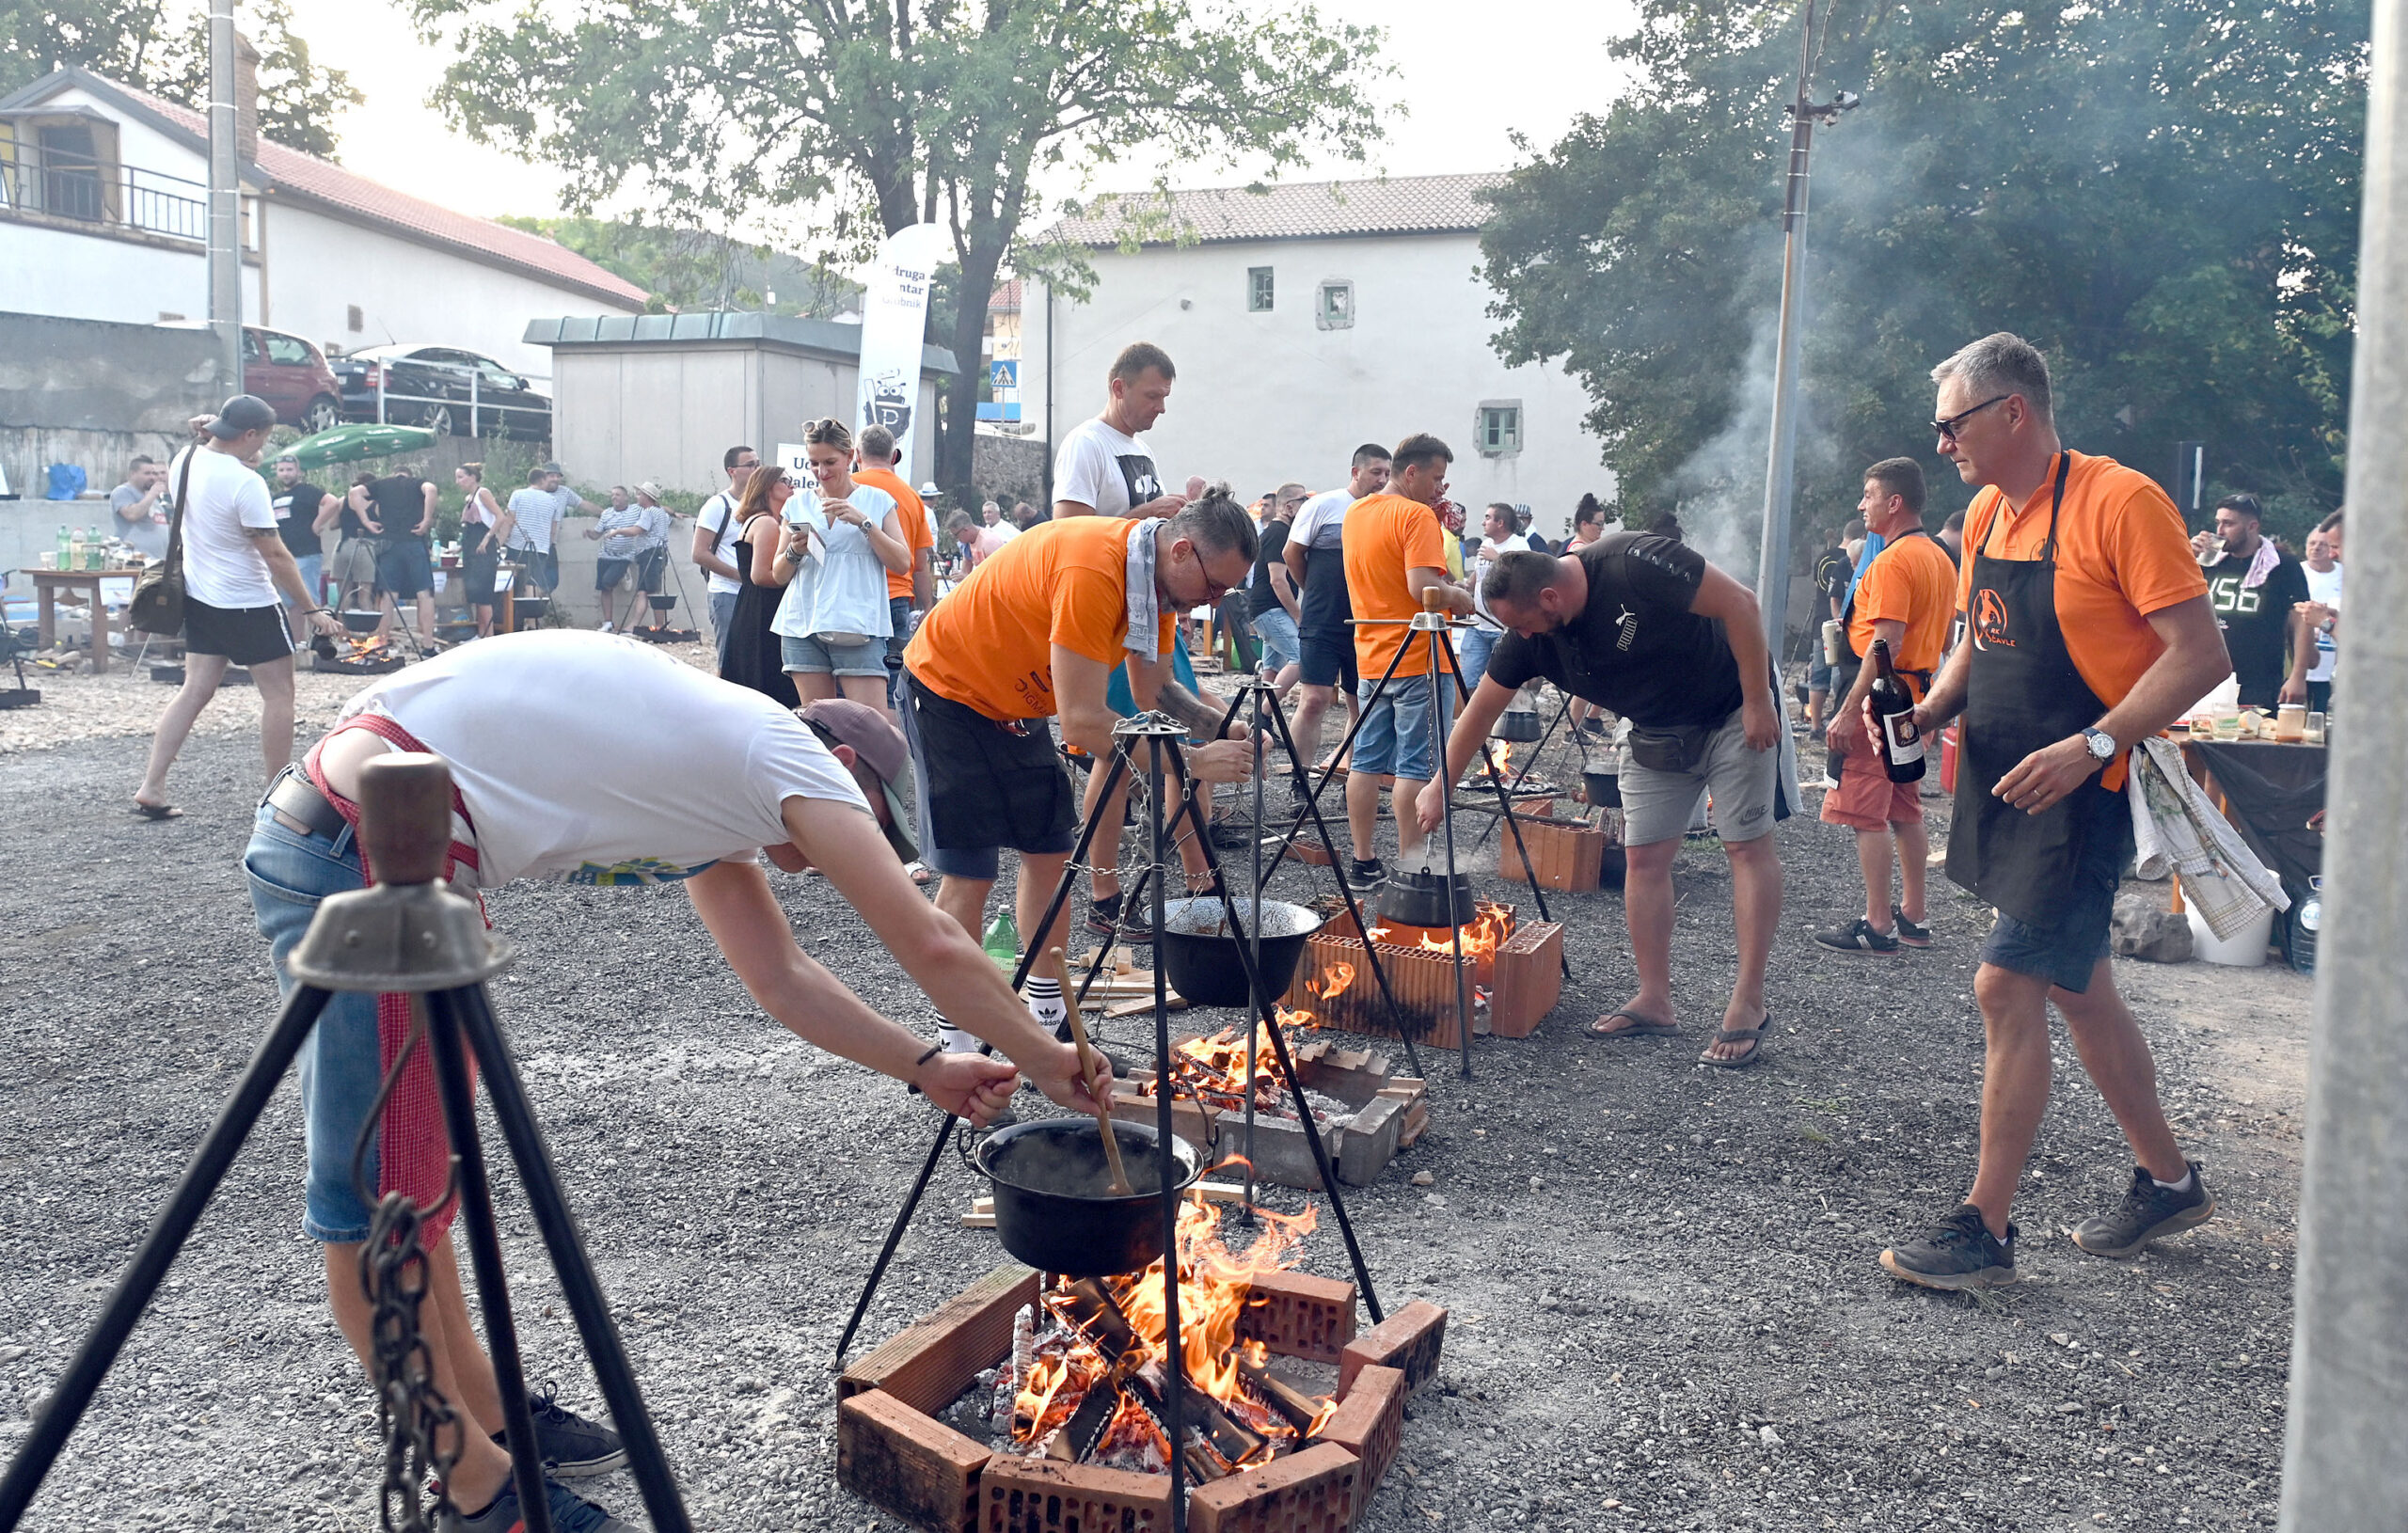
(2089, 631)
(1317, 563)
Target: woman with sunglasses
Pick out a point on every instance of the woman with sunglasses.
(841, 540)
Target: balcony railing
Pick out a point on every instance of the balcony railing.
(79, 187)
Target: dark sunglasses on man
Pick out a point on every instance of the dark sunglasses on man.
(1946, 430)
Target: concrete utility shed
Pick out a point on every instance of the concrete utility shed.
(664, 396)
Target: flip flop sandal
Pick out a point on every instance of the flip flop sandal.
(157, 812)
(1641, 1027)
(1758, 1034)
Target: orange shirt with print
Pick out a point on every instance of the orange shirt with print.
(913, 513)
(1911, 581)
(2121, 555)
(1385, 536)
(990, 643)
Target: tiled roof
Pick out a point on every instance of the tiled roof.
(1005, 298)
(304, 178)
(1302, 210)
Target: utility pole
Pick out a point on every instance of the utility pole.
(225, 201)
(1772, 569)
(2343, 1468)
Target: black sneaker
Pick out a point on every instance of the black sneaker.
(1365, 871)
(1106, 922)
(1858, 936)
(1908, 933)
(571, 1513)
(2148, 1212)
(571, 1446)
(1958, 1253)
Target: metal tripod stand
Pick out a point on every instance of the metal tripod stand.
(406, 933)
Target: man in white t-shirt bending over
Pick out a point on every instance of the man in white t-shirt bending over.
(234, 563)
(817, 789)
(715, 538)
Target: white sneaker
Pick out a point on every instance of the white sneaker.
(607, 627)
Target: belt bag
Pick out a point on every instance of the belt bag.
(1680, 748)
(843, 640)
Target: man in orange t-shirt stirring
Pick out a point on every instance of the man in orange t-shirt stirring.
(1395, 551)
(1907, 599)
(2089, 631)
(1034, 634)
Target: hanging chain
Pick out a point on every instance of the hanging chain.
(412, 1420)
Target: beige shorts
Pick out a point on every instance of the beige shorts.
(355, 563)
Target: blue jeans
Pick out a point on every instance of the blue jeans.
(1277, 631)
(313, 566)
(1395, 734)
(1479, 644)
(898, 612)
(289, 872)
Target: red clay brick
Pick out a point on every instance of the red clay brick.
(1565, 854)
(930, 1362)
(1044, 1495)
(1298, 1315)
(1529, 979)
(919, 1469)
(1369, 1422)
(1410, 1340)
(1317, 1491)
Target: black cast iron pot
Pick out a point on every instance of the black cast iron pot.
(662, 604)
(1053, 1205)
(528, 609)
(1420, 899)
(362, 623)
(1604, 785)
(1200, 948)
(1518, 725)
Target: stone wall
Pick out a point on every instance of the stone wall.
(1009, 468)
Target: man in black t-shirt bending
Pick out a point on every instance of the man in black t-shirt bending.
(1646, 626)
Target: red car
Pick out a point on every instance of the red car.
(292, 375)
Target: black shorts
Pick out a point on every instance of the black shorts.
(243, 635)
(1326, 657)
(608, 573)
(985, 784)
(651, 568)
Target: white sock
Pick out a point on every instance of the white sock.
(955, 1040)
(1044, 997)
(2183, 1186)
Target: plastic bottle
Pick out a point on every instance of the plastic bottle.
(92, 560)
(66, 547)
(1002, 941)
(74, 559)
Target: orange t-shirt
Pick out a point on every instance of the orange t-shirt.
(991, 643)
(2121, 555)
(1385, 536)
(1909, 582)
(910, 511)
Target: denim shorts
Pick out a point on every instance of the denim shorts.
(289, 872)
(1477, 645)
(2068, 952)
(403, 568)
(1277, 631)
(814, 655)
(311, 567)
(1395, 737)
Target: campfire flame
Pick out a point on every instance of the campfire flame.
(1212, 1070)
(1215, 1287)
(1481, 937)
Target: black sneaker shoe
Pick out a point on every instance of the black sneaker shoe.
(1364, 873)
(1908, 933)
(1106, 922)
(571, 1513)
(1858, 936)
(1958, 1253)
(2148, 1212)
(571, 1446)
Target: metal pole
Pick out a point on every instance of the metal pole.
(1438, 672)
(1254, 843)
(1772, 569)
(225, 201)
(2343, 1468)
(1167, 1158)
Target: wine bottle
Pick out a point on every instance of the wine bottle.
(1900, 742)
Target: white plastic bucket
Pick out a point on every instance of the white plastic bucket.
(2245, 951)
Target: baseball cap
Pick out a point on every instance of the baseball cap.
(242, 412)
(880, 747)
(555, 468)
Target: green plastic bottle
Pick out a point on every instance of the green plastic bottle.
(1002, 941)
(66, 546)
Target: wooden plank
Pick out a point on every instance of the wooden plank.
(930, 1362)
(896, 1458)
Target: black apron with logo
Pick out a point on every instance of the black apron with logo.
(2021, 693)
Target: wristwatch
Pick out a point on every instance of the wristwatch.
(2101, 744)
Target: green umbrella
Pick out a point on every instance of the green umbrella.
(365, 439)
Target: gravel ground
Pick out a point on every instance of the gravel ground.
(1666, 1312)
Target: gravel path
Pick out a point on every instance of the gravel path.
(1666, 1311)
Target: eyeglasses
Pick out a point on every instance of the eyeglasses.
(1946, 430)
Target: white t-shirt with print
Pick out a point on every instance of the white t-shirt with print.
(714, 518)
(223, 566)
(569, 791)
(1111, 470)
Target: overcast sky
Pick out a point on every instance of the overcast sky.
(1471, 77)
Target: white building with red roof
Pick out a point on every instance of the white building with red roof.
(103, 215)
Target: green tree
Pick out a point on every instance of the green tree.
(161, 46)
(2160, 194)
(867, 118)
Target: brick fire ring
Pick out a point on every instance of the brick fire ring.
(893, 1452)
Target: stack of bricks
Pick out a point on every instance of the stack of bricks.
(1524, 979)
(892, 1452)
(1565, 854)
(1390, 1113)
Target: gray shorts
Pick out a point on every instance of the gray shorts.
(1656, 806)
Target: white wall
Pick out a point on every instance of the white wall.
(1266, 397)
(318, 267)
(45, 270)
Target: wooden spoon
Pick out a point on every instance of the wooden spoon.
(1090, 1070)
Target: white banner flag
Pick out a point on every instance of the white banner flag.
(895, 314)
